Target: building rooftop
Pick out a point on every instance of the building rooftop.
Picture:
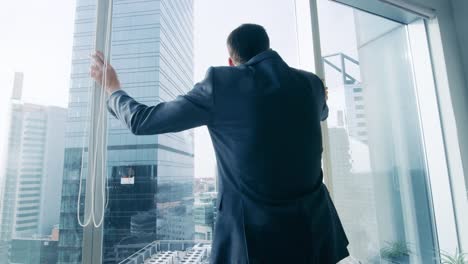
(196, 255)
(171, 252)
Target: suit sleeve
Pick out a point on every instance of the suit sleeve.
(184, 112)
(322, 101)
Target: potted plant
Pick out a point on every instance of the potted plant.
(396, 252)
(457, 258)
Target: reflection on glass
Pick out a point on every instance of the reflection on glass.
(131, 212)
(378, 176)
(76, 136)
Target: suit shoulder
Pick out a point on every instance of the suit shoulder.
(306, 74)
(311, 77)
(214, 74)
(226, 74)
(227, 69)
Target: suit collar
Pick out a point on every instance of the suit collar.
(267, 54)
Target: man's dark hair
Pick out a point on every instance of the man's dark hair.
(246, 41)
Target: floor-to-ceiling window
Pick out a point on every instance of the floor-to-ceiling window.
(378, 170)
(158, 193)
(56, 206)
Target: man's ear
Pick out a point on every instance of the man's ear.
(231, 62)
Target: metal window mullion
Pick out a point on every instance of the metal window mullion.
(320, 72)
(443, 190)
(93, 236)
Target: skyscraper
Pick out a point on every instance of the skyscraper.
(355, 111)
(150, 177)
(33, 250)
(32, 182)
(204, 215)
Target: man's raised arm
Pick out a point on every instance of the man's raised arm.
(184, 112)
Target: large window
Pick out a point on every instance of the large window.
(69, 194)
(377, 159)
(147, 193)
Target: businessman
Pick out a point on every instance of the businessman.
(264, 121)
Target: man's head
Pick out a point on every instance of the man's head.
(245, 42)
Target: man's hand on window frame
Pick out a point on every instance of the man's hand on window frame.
(104, 74)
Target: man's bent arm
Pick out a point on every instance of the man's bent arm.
(186, 111)
(324, 114)
(323, 100)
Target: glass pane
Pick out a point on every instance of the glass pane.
(378, 175)
(160, 48)
(76, 137)
(150, 178)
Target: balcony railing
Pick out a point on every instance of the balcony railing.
(159, 246)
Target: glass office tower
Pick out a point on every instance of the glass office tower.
(31, 183)
(150, 178)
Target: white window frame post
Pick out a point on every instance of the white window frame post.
(97, 148)
(320, 72)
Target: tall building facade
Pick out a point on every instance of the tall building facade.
(150, 177)
(355, 111)
(33, 250)
(204, 215)
(32, 182)
(352, 179)
(353, 192)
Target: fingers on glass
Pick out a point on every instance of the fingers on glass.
(98, 58)
(94, 70)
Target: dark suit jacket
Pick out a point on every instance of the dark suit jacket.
(264, 120)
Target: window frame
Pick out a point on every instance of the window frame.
(456, 212)
(93, 237)
(92, 246)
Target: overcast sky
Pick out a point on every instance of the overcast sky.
(37, 40)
